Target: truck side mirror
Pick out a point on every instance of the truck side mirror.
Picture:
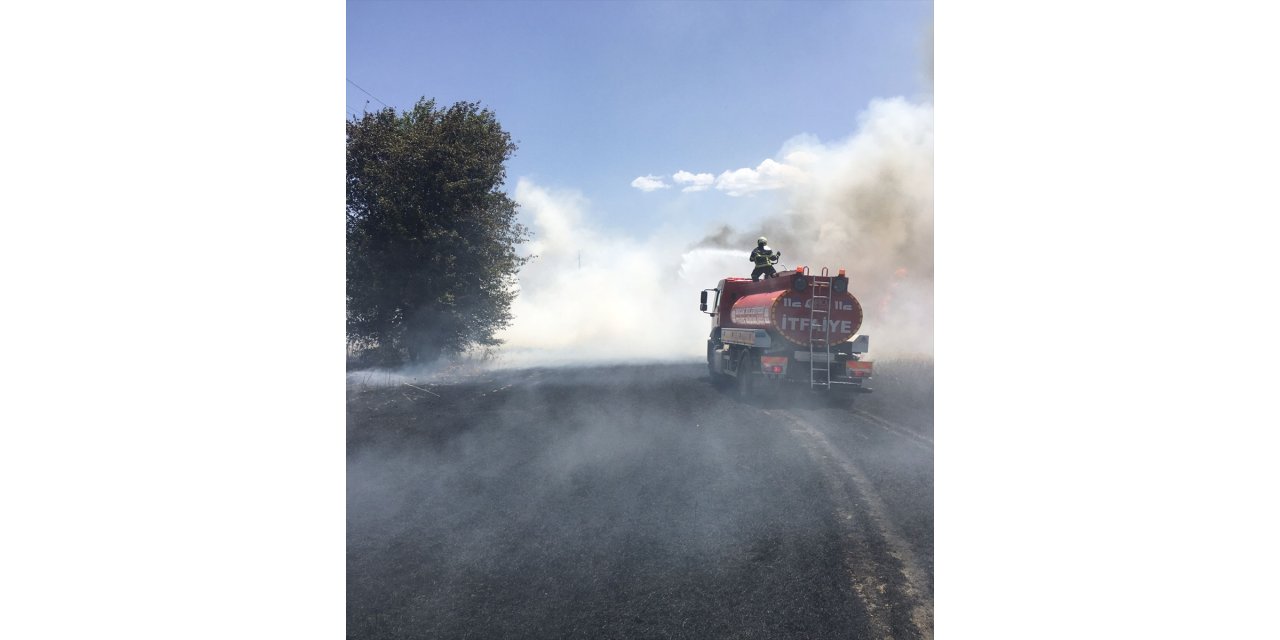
(702, 302)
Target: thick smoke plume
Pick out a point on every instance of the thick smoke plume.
(864, 204)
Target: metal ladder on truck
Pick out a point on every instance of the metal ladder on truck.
(820, 331)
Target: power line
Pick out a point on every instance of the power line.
(369, 94)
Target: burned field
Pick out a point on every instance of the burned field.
(637, 501)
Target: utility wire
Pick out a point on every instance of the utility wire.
(369, 94)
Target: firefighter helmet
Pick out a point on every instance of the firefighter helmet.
(762, 241)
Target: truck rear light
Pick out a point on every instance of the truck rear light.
(859, 368)
(773, 364)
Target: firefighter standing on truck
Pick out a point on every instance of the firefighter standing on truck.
(764, 259)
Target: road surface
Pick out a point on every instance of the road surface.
(638, 502)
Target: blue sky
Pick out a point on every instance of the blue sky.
(598, 94)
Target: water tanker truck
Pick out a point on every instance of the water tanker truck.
(796, 329)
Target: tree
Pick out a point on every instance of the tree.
(431, 237)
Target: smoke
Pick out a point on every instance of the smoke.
(595, 296)
(864, 204)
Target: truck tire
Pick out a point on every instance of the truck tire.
(746, 377)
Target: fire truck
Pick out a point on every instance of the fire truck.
(795, 329)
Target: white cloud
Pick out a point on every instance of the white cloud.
(770, 174)
(696, 181)
(801, 158)
(649, 183)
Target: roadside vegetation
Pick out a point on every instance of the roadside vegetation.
(431, 235)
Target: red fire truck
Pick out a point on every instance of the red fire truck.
(797, 328)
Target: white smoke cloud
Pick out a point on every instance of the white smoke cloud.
(649, 183)
(864, 204)
(696, 181)
(595, 296)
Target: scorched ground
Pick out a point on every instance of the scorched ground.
(637, 502)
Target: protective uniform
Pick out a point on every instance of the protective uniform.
(764, 259)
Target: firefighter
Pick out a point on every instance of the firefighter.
(764, 259)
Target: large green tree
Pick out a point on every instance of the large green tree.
(431, 236)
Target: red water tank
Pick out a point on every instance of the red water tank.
(786, 312)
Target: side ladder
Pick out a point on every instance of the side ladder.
(820, 331)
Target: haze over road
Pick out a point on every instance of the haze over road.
(638, 501)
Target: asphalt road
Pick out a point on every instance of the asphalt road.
(638, 502)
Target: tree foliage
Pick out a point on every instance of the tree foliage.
(431, 237)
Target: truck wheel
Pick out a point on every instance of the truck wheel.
(746, 382)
